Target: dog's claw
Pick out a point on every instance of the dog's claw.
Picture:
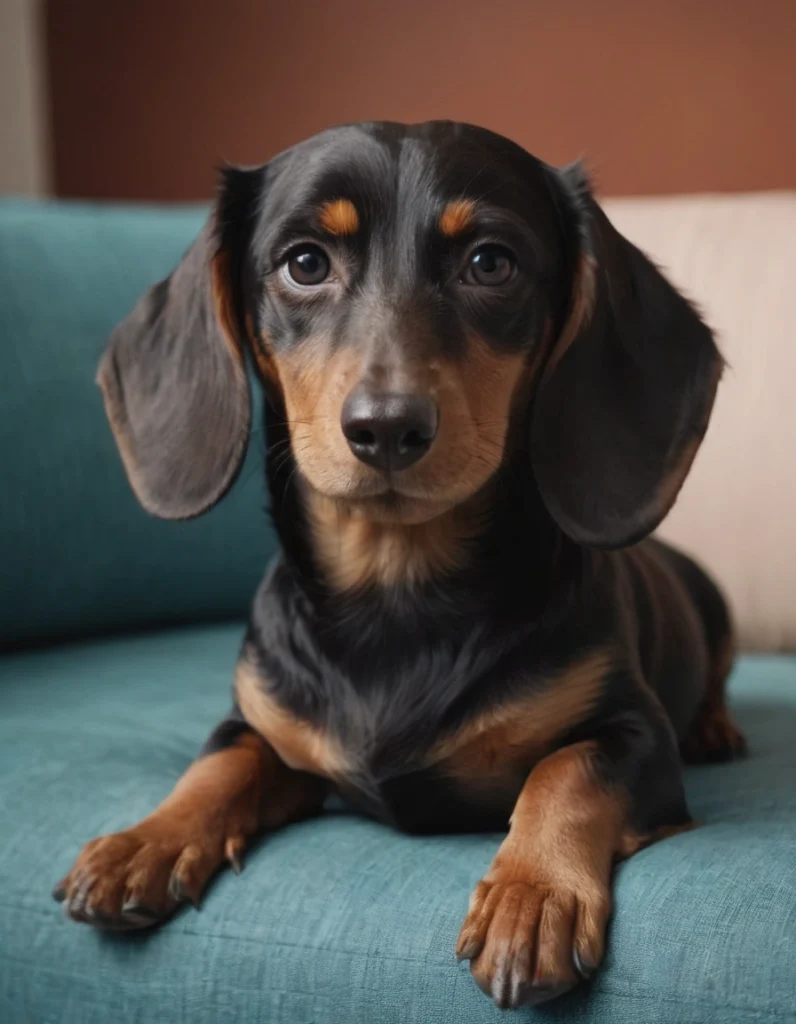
(180, 894)
(583, 965)
(233, 851)
(468, 949)
(133, 908)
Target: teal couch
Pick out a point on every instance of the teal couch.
(120, 633)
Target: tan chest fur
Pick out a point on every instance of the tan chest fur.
(512, 737)
(300, 745)
(499, 743)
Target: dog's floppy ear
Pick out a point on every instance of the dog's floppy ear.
(627, 392)
(174, 374)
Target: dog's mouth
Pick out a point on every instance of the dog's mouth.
(395, 506)
(410, 496)
(386, 498)
(386, 501)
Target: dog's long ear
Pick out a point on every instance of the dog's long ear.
(627, 392)
(174, 374)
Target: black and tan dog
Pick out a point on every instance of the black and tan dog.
(480, 399)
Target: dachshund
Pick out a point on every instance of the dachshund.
(480, 401)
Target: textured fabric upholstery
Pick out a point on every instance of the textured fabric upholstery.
(341, 920)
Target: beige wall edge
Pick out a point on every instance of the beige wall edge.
(24, 157)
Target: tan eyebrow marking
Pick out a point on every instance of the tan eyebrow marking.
(339, 217)
(457, 217)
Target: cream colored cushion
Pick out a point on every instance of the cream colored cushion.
(735, 256)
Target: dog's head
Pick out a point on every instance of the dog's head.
(413, 297)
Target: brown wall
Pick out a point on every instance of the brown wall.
(660, 95)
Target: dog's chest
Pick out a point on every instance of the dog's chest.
(392, 766)
(396, 760)
(466, 778)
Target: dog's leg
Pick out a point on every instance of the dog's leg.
(236, 789)
(536, 923)
(713, 735)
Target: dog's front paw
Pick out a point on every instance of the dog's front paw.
(529, 939)
(137, 878)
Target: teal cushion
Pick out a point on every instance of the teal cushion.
(77, 553)
(340, 919)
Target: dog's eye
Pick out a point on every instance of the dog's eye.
(489, 265)
(308, 265)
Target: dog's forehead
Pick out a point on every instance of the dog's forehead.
(380, 162)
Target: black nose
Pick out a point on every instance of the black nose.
(389, 431)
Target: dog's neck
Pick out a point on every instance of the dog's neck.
(357, 553)
(493, 561)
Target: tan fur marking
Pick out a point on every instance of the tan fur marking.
(308, 372)
(584, 296)
(477, 396)
(262, 793)
(514, 736)
(137, 877)
(249, 319)
(457, 217)
(494, 385)
(546, 898)
(315, 382)
(356, 552)
(266, 363)
(563, 796)
(476, 399)
(222, 300)
(261, 351)
(339, 217)
(298, 744)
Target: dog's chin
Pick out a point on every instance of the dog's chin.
(393, 507)
(398, 499)
(387, 504)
